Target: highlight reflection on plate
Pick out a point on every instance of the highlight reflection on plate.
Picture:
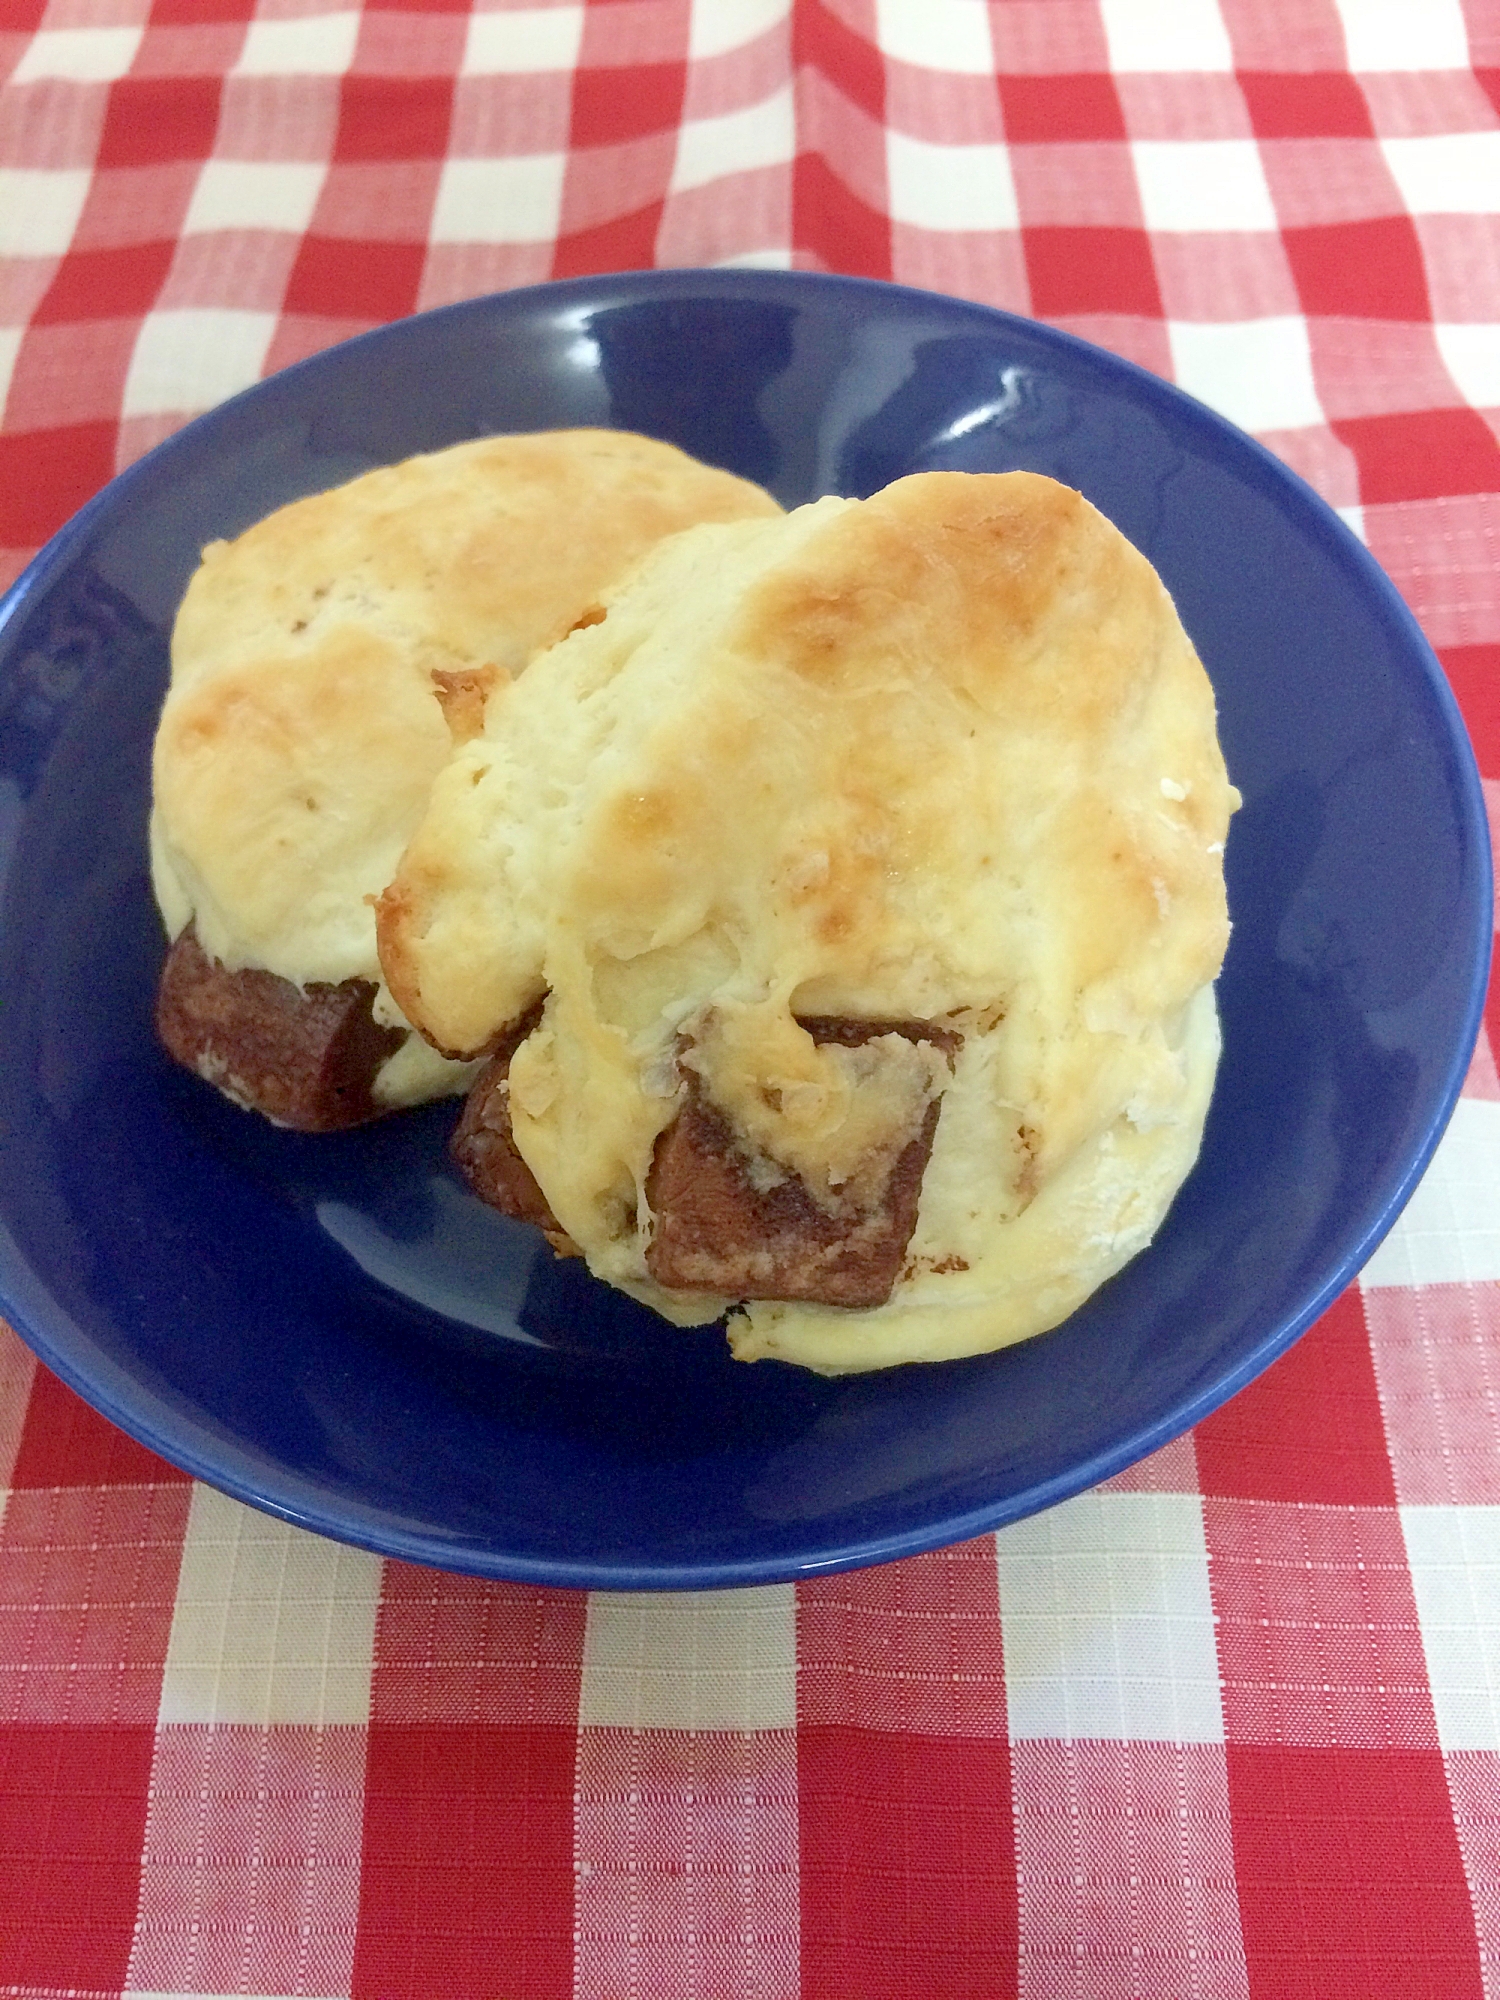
(333, 1329)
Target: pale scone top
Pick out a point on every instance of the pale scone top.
(943, 755)
(302, 729)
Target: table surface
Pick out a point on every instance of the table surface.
(1229, 1725)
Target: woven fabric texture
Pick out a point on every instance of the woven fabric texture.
(1227, 1727)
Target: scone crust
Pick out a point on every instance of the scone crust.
(945, 755)
(302, 727)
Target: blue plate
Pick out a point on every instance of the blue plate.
(333, 1330)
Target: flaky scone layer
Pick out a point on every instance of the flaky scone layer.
(942, 756)
(302, 728)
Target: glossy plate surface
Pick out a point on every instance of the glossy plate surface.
(333, 1329)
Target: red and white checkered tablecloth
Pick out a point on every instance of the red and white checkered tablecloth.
(1228, 1726)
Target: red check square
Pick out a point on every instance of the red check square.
(154, 119)
(1422, 454)
(611, 106)
(1360, 270)
(1075, 271)
(467, 1883)
(79, 460)
(1044, 109)
(394, 118)
(908, 1864)
(337, 278)
(194, 13)
(72, 1814)
(68, 1443)
(1261, 1446)
(1349, 1873)
(106, 284)
(1321, 105)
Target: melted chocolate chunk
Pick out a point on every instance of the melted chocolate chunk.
(306, 1057)
(719, 1230)
(716, 1231)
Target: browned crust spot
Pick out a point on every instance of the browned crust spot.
(462, 693)
(306, 1057)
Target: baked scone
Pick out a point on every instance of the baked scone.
(841, 915)
(323, 663)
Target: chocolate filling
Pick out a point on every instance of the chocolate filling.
(305, 1056)
(716, 1229)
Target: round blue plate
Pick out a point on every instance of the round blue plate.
(334, 1330)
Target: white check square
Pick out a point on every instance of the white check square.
(1108, 1623)
(254, 194)
(189, 358)
(709, 1659)
(761, 135)
(717, 26)
(950, 187)
(1454, 1555)
(1401, 35)
(1154, 36)
(1449, 1232)
(271, 1624)
(499, 200)
(313, 45)
(1202, 184)
(10, 347)
(81, 55)
(937, 34)
(522, 41)
(1472, 357)
(1446, 173)
(39, 209)
(1256, 372)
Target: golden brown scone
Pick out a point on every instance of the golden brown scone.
(324, 663)
(881, 840)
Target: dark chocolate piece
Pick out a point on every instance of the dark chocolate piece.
(716, 1230)
(306, 1057)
